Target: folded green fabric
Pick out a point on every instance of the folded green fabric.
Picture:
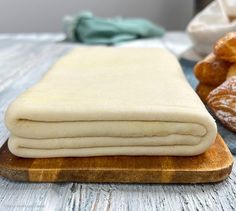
(86, 28)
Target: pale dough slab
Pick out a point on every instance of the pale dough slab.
(110, 101)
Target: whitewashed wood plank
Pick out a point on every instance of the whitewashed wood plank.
(34, 37)
(46, 196)
(32, 196)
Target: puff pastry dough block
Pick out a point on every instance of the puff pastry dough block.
(99, 101)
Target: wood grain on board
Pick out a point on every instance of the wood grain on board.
(212, 166)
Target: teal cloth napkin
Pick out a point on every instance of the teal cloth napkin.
(88, 29)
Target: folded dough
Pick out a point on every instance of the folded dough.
(110, 101)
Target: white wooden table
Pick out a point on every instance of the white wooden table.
(23, 59)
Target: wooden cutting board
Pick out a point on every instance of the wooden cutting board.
(212, 166)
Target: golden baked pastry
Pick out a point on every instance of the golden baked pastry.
(225, 48)
(211, 70)
(203, 90)
(222, 102)
(232, 18)
(232, 71)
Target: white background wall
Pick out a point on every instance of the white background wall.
(46, 15)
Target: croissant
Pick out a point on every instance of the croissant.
(232, 18)
(203, 90)
(225, 48)
(211, 70)
(232, 71)
(222, 101)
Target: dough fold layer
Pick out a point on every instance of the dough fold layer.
(99, 101)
